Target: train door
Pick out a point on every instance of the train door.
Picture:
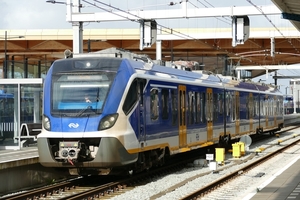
(209, 113)
(182, 116)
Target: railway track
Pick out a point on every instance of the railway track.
(95, 188)
(103, 188)
(230, 177)
(206, 184)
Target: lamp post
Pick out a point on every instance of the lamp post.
(294, 92)
(5, 56)
(5, 52)
(286, 98)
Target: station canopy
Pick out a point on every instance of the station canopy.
(41, 45)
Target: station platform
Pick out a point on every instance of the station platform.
(20, 169)
(284, 186)
(16, 158)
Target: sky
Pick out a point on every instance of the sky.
(38, 14)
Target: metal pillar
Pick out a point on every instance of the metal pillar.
(158, 45)
(5, 56)
(294, 96)
(77, 29)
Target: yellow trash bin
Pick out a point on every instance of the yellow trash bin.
(220, 155)
(236, 150)
(242, 146)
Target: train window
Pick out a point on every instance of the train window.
(221, 103)
(202, 106)
(247, 108)
(131, 97)
(164, 103)
(272, 106)
(174, 104)
(191, 107)
(228, 106)
(215, 106)
(154, 106)
(269, 106)
(256, 104)
(253, 108)
(250, 106)
(279, 106)
(197, 109)
(276, 106)
(237, 105)
(233, 107)
(263, 107)
(69, 92)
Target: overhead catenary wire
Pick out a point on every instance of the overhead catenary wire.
(278, 30)
(110, 8)
(270, 21)
(228, 20)
(164, 28)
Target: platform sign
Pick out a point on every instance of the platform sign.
(209, 156)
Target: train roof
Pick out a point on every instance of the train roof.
(144, 65)
(205, 77)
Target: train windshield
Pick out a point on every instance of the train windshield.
(80, 94)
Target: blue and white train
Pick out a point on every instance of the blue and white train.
(106, 115)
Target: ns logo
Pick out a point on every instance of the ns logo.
(73, 125)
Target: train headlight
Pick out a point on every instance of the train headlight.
(108, 121)
(46, 123)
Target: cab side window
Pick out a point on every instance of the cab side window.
(131, 98)
(154, 105)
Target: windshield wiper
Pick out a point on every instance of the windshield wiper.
(83, 110)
